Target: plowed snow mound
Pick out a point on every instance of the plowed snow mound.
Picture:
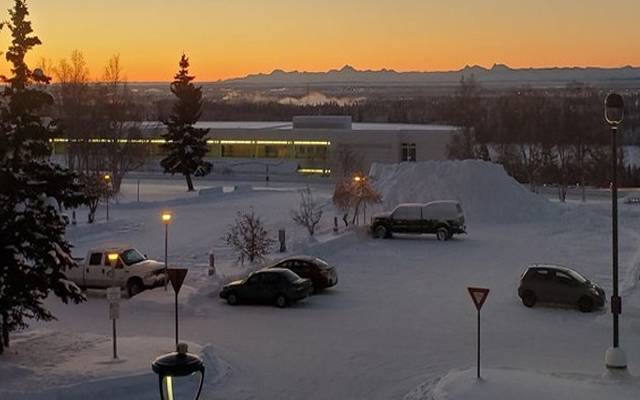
(487, 193)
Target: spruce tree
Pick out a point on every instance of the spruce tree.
(33, 250)
(186, 145)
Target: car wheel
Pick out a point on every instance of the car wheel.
(585, 304)
(529, 299)
(134, 287)
(281, 301)
(232, 299)
(442, 234)
(381, 232)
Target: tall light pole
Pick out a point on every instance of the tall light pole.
(359, 181)
(614, 114)
(107, 179)
(166, 220)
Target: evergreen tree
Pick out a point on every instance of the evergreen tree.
(186, 145)
(33, 249)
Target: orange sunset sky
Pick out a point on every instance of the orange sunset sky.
(230, 38)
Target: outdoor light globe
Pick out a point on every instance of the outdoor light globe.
(613, 109)
(166, 217)
(107, 177)
(112, 257)
(176, 365)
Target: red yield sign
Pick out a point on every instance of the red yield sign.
(478, 295)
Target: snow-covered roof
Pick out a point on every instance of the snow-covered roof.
(279, 125)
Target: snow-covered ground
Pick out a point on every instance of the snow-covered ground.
(399, 324)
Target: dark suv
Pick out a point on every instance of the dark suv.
(559, 285)
(279, 286)
(318, 271)
(444, 218)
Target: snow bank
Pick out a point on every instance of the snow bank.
(212, 191)
(64, 365)
(487, 193)
(530, 385)
(242, 188)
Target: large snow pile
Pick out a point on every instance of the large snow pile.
(487, 193)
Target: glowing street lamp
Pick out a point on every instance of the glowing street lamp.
(107, 179)
(166, 220)
(178, 364)
(614, 114)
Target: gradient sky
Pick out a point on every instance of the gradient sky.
(229, 38)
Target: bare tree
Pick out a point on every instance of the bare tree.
(309, 212)
(94, 189)
(347, 161)
(74, 101)
(120, 123)
(468, 114)
(248, 237)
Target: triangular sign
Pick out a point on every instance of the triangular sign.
(478, 295)
(176, 276)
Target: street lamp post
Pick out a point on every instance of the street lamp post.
(359, 180)
(166, 220)
(614, 114)
(107, 179)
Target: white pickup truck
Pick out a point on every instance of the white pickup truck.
(133, 271)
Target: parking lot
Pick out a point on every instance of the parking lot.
(401, 315)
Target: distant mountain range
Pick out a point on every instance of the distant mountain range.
(499, 74)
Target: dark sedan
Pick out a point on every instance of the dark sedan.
(559, 285)
(277, 286)
(318, 271)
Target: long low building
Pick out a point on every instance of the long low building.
(314, 144)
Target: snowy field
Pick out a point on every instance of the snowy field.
(399, 324)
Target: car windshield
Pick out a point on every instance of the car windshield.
(132, 256)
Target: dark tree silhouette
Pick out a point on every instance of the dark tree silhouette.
(248, 237)
(33, 250)
(186, 145)
(309, 212)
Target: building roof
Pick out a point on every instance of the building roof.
(275, 125)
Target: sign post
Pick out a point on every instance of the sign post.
(176, 276)
(478, 296)
(113, 295)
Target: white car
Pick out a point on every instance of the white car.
(132, 271)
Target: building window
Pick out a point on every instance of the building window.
(408, 152)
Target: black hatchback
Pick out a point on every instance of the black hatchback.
(277, 286)
(559, 285)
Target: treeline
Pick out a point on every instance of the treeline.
(543, 138)
(419, 110)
